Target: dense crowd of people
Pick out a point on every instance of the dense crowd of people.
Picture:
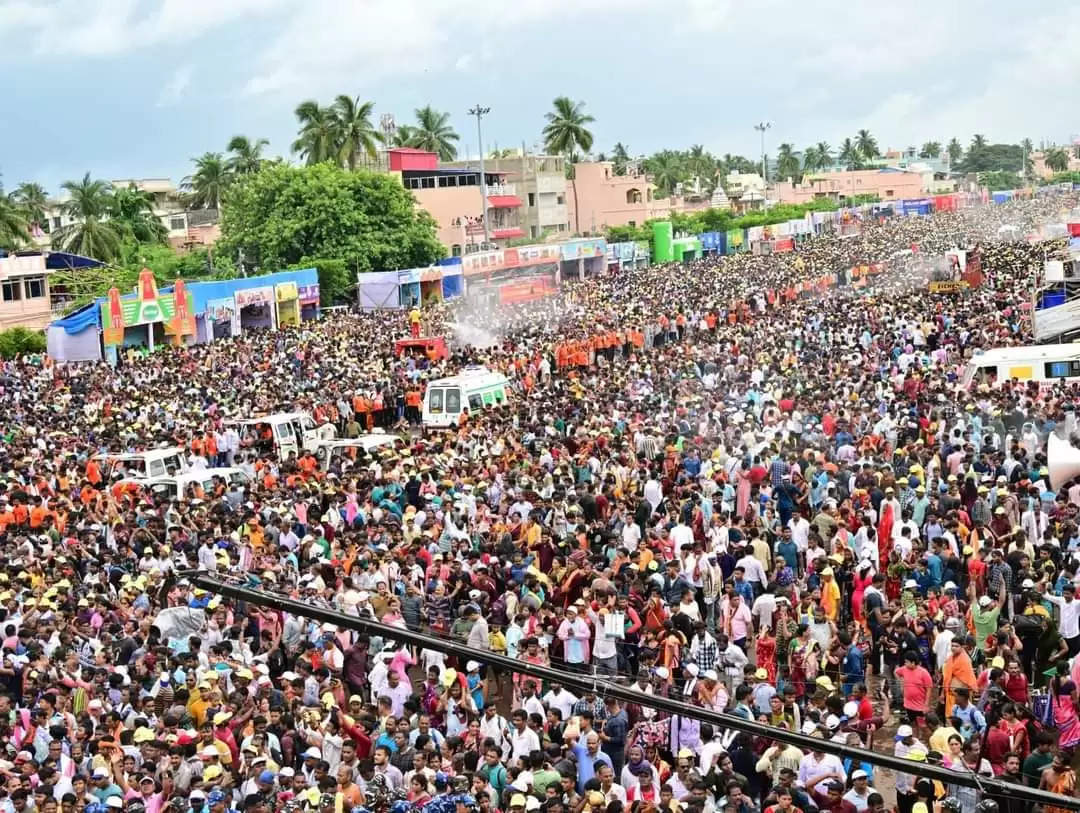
(788, 509)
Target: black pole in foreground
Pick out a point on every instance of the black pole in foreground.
(606, 688)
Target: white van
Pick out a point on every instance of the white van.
(288, 433)
(1045, 363)
(141, 465)
(327, 450)
(172, 486)
(471, 391)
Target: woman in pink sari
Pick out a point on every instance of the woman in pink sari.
(742, 491)
(860, 580)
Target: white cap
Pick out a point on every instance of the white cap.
(115, 801)
(832, 721)
(859, 775)
(905, 731)
(912, 584)
(691, 668)
(1027, 583)
(985, 601)
(851, 709)
(471, 666)
(710, 674)
(661, 672)
(313, 752)
(809, 727)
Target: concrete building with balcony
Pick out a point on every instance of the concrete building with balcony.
(452, 196)
(889, 183)
(24, 292)
(541, 184)
(186, 228)
(598, 198)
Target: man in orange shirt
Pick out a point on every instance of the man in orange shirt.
(37, 513)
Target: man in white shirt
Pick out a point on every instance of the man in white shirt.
(1068, 612)
(753, 572)
(558, 698)
(523, 740)
(817, 764)
(681, 535)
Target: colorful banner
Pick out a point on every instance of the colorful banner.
(254, 296)
(948, 287)
(183, 321)
(308, 294)
(286, 291)
(143, 307)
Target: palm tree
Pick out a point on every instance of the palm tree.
(32, 199)
(14, 228)
(564, 133)
(978, 142)
(810, 158)
(620, 156)
(565, 130)
(667, 170)
(402, 137)
(317, 140)
(850, 155)
(866, 144)
(246, 155)
(954, 151)
(208, 183)
(787, 164)
(931, 149)
(824, 154)
(91, 235)
(352, 128)
(434, 133)
(1057, 159)
(132, 211)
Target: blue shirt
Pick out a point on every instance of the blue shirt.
(585, 762)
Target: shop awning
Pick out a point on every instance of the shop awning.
(507, 234)
(504, 201)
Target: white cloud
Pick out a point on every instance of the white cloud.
(464, 63)
(176, 87)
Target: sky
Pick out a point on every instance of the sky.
(137, 88)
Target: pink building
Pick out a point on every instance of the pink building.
(889, 183)
(453, 198)
(598, 198)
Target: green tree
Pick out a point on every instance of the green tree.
(352, 132)
(824, 154)
(810, 159)
(336, 279)
(668, 169)
(978, 142)
(287, 215)
(1057, 159)
(91, 234)
(20, 341)
(33, 200)
(787, 163)
(131, 212)
(620, 155)
(998, 180)
(866, 145)
(245, 155)
(14, 228)
(317, 139)
(434, 133)
(566, 128)
(206, 186)
(850, 156)
(954, 151)
(930, 149)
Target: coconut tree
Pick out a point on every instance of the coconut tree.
(866, 144)
(667, 169)
(787, 163)
(402, 136)
(33, 200)
(353, 133)
(565, 133)
(434, 133)
(317, 139)
(131, 211)
(565, 130)
(978, 143)
(207, 184)
(1057, 159)
(824, 154)
(89, 206)
(14, 228)
(930, 149)
(620, 156)
(850, 155)
(245, 155)
(954, 151)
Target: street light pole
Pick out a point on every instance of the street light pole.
(761, 127)
(480, 112)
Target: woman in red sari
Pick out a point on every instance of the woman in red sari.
(884, 533)
(766, 653)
